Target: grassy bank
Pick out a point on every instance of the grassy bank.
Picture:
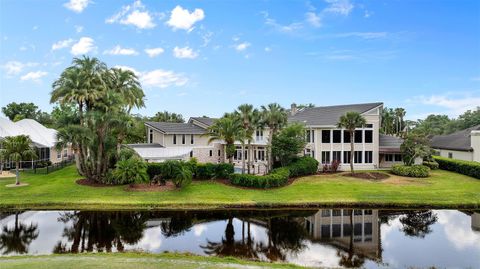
(131, 260)
(58, 190)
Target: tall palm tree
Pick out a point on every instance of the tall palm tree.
(229, 129)
(17, 149)
(247, 113)
(274, 117)
(126, 83)
(399, 114)
(17, 239)
(71, 135)
(350, 121)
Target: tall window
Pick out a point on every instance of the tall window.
(65, 153)
(389, 157)
(183, 139)
(308, 136)
(346, 136)
(358, 157)
(218, 153)
(211, 153)
(346, 156)
(150, 136)
(313, 136)
(59, 154)
(368, 136)
(325, 157)
(259, 134)
(398, 157)
(368, 156)
(358, 136)
(325, 136)
(337, 155)
(191, 154)
(450, 155)
(174, 139)
(191, 139)
(337, 136)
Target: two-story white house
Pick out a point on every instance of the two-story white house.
(325, 141)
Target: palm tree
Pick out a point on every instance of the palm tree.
(166, 116)
(17, 149)
(126, 83)
(399, 114)
(350, 121)
(247, 114)
(17, 239)
(274, 117)
(229, 129)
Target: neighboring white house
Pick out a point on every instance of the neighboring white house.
(43, 138)
(326, 142)
(462, 145)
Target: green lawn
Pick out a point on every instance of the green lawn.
(58, 190)
(131, 260)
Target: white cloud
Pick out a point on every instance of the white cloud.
(158, 78)
(181, 18)
(77, 5)
(34, 76)
(289, 28)
(242, 46)
(118, 50)
(62, 44)
(15, 67)
(364, 35)
(154, 52)
(184, 53)
(35, 28)
(78, 28)
(340, 7)
(268, 49)
(83, 46)
(23, 48)
(313, 19)
(452, 104)
(135, 14)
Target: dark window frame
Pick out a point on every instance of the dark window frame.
(326, 136)
(337, 134)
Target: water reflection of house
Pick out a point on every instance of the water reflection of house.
(476, 222)
(333, 226)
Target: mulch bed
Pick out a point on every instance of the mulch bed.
(228, 183)
(169, 186)
(91, 183)
(369, 175)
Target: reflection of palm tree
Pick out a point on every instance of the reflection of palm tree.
(179, 224)
(350, 259)
(417, 223)
(18, 239)
(226, 247)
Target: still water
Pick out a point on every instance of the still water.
(327, 237)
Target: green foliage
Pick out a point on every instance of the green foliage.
(278, 177)
(442, 124)
(166, 116)
(170, 169)
(229, 129)
(433, 165)
(288, 143)
(411, 171)
(20, 111)
(303, 166)
(126, 153)
(415, 146)
(17, 149)
(392, 121)
(463, 167)
(213, 171)
(130, 170)
(183, 177)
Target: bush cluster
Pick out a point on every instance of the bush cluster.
(213, 170)
(278, 177)
(463, 167)
(411, 171)
(431, 164)
(170, 169)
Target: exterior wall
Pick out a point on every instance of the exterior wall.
(460, 155)
(54, 158)
(387, 164)
(475, 143)
(158, 137)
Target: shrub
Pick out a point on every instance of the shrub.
(331, 167)
(303, 166)
(223, 170)
(431, 164)
(170, 169)
(411, 171)
(463, 167)
(154, 169)
(129, 170)
(205, 171)
(183, 177)
(278, 177)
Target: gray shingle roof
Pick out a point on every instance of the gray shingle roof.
(176, 128)
(328, 115)
(205, 120)
(457, 141)
(389, 141)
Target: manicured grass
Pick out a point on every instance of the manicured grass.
(58, 190)
(131, 260)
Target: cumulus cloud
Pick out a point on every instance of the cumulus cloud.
(341, 7)
(313, 19)
(452, 104)
(158, 78)
(34, 76)
(83, 46)
(154, 52)
(16, 67)
(118, 50)
(242, 46)
(62, 44)
(288, 28)
(181, 18)
(184, 53)
(77, 5)
(135, 14)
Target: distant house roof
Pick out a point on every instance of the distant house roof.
(457, 141)
(39, 134)
(329, 115)
(205, 120)
(156, 152)
(389, 143)
(176, 128)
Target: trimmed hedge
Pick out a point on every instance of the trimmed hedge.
(431, 164)
(169, 169)
(462, 167)
(411, 171)
(213, 171)
(279, 176)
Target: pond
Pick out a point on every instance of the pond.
(368, 238)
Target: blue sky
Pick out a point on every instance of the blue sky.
(207, 57)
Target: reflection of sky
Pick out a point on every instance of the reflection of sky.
(451, 244)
